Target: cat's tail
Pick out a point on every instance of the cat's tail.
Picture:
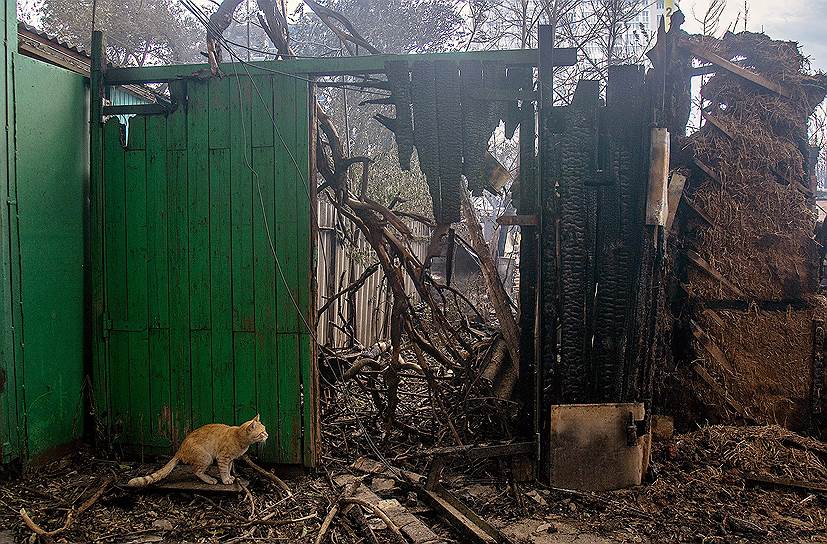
(156, 476)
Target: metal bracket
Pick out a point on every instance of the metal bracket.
(106, 325)
(139, 109)
(635, 429)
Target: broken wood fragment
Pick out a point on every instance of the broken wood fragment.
(711, 347)
(703, 265)
(408, 525)
(699, 213)
(730, 66)
(674, 193)
(797, 485)
(721, 392)
(71, 516)
(269, 475)
(706, 169)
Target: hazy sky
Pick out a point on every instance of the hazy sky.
(797, 20)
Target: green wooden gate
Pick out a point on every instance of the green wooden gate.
(202, 258)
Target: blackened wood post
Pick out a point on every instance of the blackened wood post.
(545, 349)
(529, 262)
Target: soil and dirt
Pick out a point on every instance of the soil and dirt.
(699, 492)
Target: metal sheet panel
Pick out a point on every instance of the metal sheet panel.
(590, 449)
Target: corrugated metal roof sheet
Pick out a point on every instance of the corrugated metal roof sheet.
(51, 38)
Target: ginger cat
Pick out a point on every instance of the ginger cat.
(214, 442)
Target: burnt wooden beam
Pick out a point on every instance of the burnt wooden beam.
(731, 67)
(721, 392)
(711, 347)
(463, 519)
(714, 121)
(699, 213)
(158, 108)
(703, 265)
(706, 169)
(765, 305)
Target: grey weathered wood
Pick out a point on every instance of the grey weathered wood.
(182, 479)
(674, 194)
(412, 527)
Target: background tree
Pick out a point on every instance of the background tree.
(139, 32)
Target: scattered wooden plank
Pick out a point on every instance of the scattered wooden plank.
(182, 479)
(798, 485)
(701, 263)
(711, 347)
(730, 66)
(472, 527)
(673, 198)
(412, 527)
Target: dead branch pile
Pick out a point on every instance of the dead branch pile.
(745, 238)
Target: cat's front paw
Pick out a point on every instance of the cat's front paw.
(228, 480)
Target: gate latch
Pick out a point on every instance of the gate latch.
(106, 325)
(635, 428)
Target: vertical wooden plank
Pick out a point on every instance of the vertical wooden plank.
(529, 242)
(158, 280)
(220, 285)
(306, 214)
(136, 284)
(219, 112)
(10, 435)
(576, 165)
(265, 275)
(115, 276)
(100, 360)
(198, 178)
(303, 203)
(262, 111)
(243, 278)
(179, 285)
(290, 424)
(290, 186)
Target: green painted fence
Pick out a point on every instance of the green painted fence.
(43, 274)
(51, 209)
(199, 322)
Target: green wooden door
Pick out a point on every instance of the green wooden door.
(201, 322)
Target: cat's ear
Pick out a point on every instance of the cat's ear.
(257, 418)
